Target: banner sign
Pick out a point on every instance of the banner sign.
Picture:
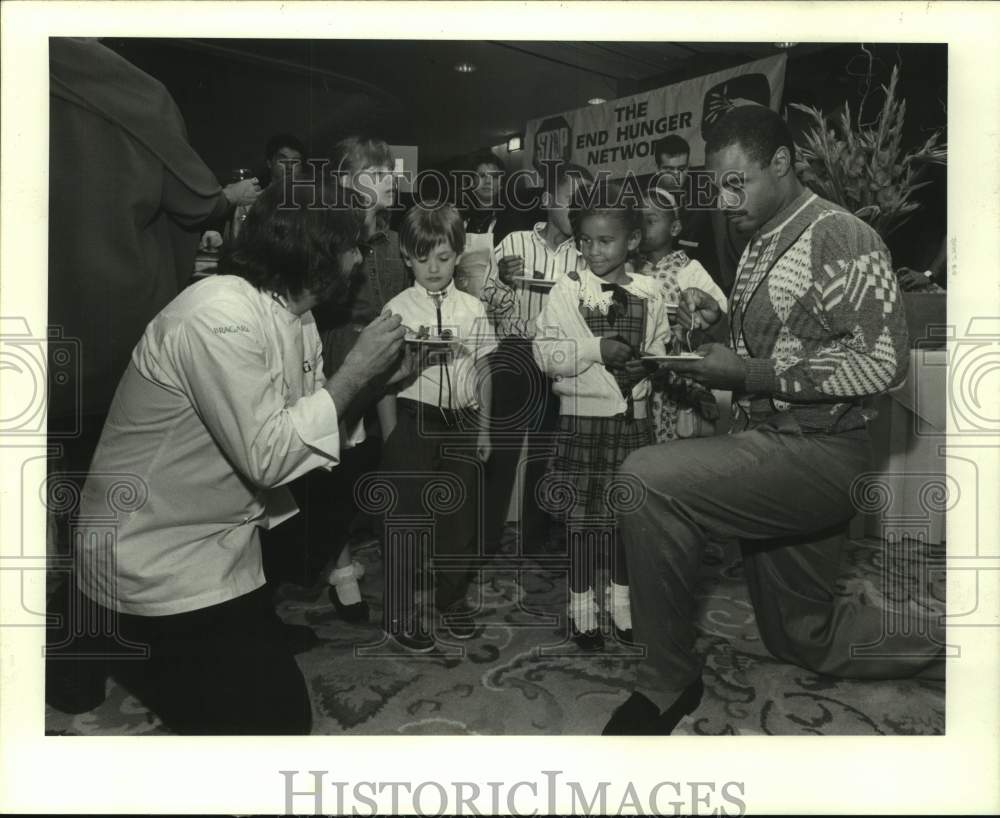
(619, 135)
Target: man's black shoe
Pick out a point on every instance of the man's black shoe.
(641, 717)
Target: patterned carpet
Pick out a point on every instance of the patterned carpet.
(521, 677)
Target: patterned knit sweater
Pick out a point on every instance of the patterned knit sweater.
(817, 314)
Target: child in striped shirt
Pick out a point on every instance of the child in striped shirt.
(524, 407)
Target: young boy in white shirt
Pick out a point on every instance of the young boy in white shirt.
(435, 425)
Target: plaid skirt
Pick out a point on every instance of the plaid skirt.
(589, 452)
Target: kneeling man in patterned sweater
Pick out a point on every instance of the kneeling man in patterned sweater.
(818, 332)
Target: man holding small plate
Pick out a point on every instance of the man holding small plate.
(818, 331)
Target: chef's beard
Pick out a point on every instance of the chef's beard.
(340, 289)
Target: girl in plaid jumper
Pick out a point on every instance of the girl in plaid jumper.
(591, 334)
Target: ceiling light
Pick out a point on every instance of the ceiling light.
(784, 45)
(596, 101)
(464, 67)
(514, 144)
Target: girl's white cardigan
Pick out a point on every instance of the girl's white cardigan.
(569, 353)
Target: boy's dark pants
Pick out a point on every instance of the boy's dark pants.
(522, 402)
(430, 463)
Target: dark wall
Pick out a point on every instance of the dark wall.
(231, 106)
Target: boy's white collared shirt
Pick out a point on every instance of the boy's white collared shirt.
(465, 317)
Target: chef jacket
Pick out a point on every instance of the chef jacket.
(221, 405)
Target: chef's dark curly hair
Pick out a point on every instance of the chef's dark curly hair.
(293, 238)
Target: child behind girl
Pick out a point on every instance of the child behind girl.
(679, 406)
(590, 335)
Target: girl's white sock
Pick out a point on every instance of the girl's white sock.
(583, 609)
(344, 581)
(621, 608)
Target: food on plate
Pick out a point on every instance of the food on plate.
(211, 241)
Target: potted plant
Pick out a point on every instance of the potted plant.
(863, 167)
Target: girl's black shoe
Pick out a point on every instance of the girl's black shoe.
(586, 640)
(624, 636)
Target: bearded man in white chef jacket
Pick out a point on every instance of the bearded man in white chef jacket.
(222, 405)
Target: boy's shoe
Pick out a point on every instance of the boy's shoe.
(458, 621)
(409, 633)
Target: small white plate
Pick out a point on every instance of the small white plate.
(433, 342)
(684, 356)
(535, 282)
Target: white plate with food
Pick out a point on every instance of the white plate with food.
(433, 343)
(683, 356)
(534, 282)
(424, 338)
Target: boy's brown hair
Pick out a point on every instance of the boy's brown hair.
(425, 226)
